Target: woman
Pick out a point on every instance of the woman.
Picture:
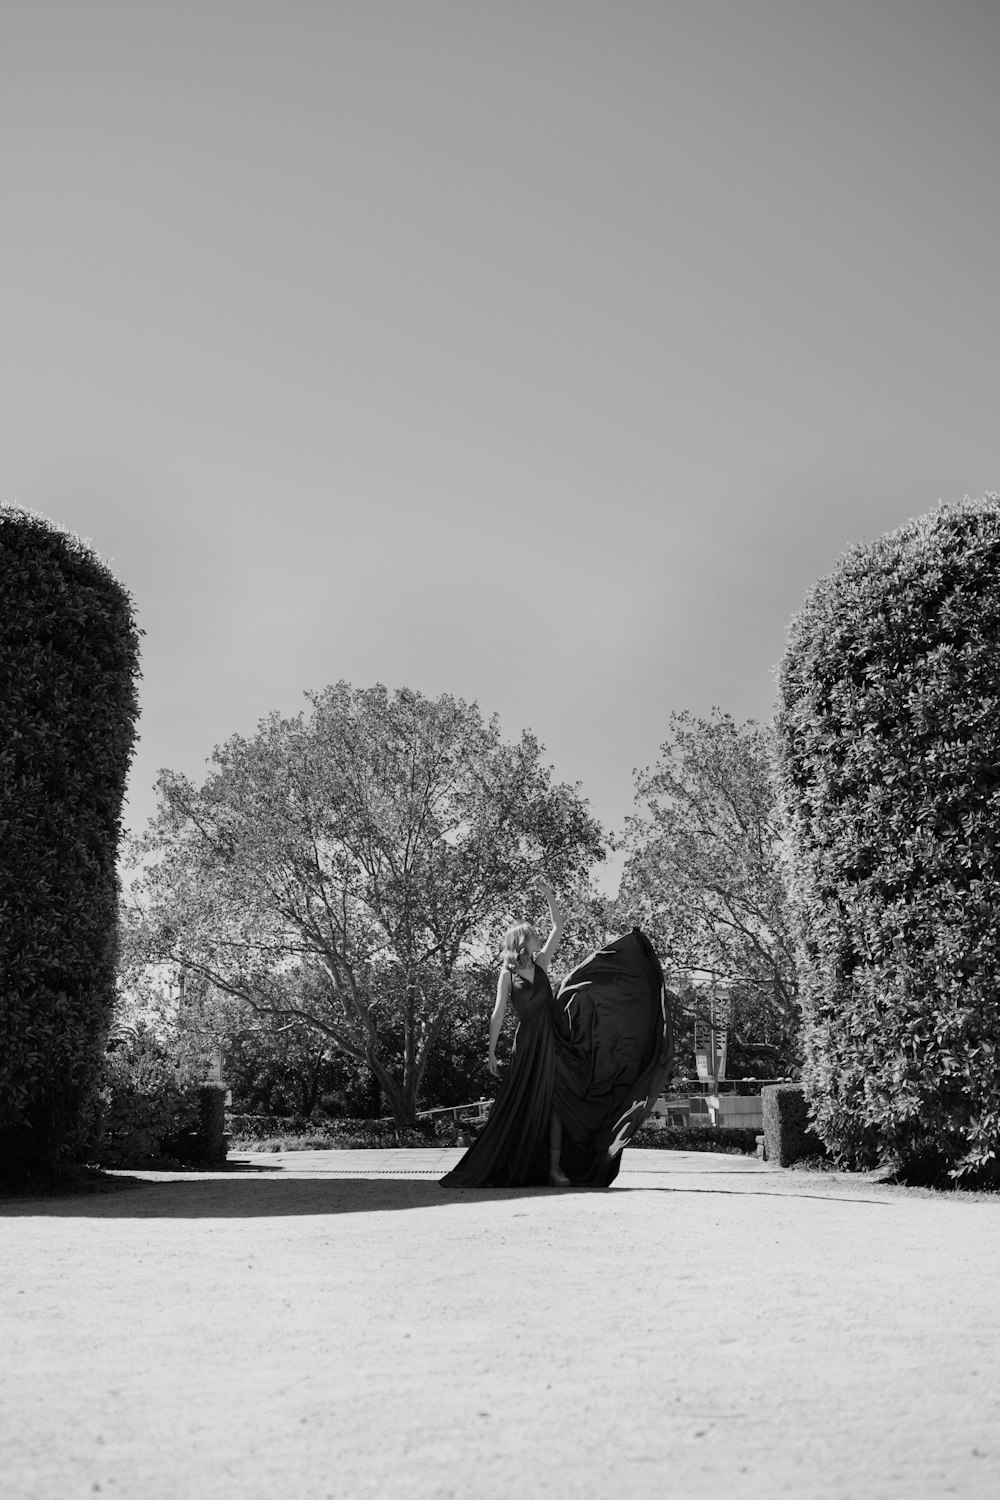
(522, 1139)
(586, 1067)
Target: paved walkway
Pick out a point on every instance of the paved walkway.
(334, 1324)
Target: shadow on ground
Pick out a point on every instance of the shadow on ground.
(241, 1195)
(238, 1197)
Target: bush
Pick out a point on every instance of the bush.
(143, 1107)
(247, 1127)
(788, 1135)
(272, 1133)
(889, 762)
(204, 1142)
(68, 663)
(268, 1133)
(738, 1140)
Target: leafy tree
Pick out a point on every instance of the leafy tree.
(704, 876)
(272, 1066)
(457, 1072)
(349, 870)
(288, 1068)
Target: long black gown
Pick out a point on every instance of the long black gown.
(513, 1147)
(598, 1054)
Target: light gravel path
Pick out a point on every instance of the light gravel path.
(334, 1324)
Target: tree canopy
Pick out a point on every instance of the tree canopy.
(349, 868)
(703, 873)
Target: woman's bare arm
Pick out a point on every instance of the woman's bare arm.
(496, 1019)
(558, 916)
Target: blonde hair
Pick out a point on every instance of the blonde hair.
(515, 944)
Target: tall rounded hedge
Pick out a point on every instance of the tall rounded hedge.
(69, 652)
(889, 760)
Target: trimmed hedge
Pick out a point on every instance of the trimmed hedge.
(731, 1139)
(146, 1114)
(142, 1104)
(246, 1127)
(889, 761)
(204, 1142)
(275, 1133)
(374, 1134)
(69, 656)
(788, 1134)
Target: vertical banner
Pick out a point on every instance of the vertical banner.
(711, 1032)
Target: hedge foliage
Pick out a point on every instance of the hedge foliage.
(294, 1133)
(360, 1140)
(738, 1140)
(68, 665)
(148, 1113)
(788, 1136)
(889, 761)
(142, 1103)
(272, 1133)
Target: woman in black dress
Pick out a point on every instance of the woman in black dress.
(522, 1139)
(586, 1067)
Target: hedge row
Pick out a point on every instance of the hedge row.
(158, 1126)
(727, 1138)
(277, 1133)
(373, 1134)
(889, 761)
(68, 709)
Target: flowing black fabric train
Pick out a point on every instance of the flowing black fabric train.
(598, 1055)
(614, 1050)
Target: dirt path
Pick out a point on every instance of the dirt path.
(318, 1325)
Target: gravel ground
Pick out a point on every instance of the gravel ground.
(334, 1324)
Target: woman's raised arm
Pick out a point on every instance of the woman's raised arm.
(544, 955)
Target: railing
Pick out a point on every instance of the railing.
(457, 1111)
(749, 1087)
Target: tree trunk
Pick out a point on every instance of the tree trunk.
(310, 1088)
(399, 1095)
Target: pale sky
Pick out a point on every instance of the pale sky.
(542, 353)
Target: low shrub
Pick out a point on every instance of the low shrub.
(450, 1132)
(146, 1114)
(204, 1142)
(246, 1127)
(287, 1143)
(732, 1140)
(344, 1135)
(788, 1134)
(268, 1133)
